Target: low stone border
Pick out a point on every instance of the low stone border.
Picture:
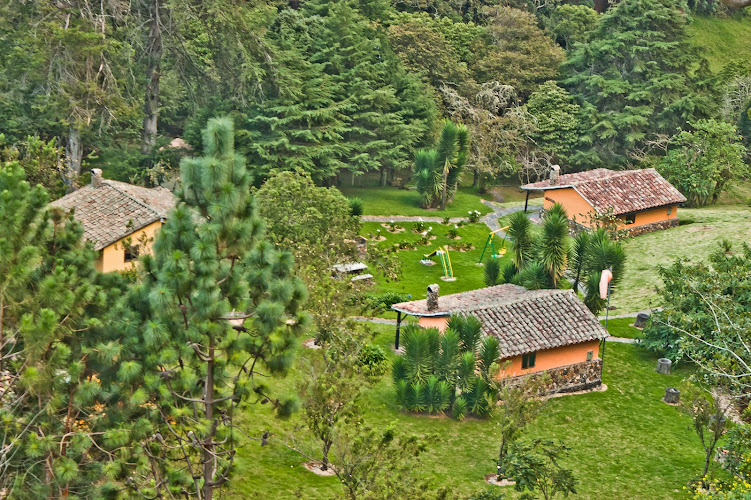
(315, 468)
(493, 479)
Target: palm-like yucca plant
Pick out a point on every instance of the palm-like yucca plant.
(553, 243)
(606, 254)
(448, 359)
(592, 299)
(460, 408)
(579, 251)
(489, 353)
(469, 329)
(427, 177)
(534, 276)
(401, 391)
(417, 396)
(435, 395)
(399, 369)
(492, 272)
(466, 372)
(437, 170)
(418, 358)
(477, 397)
(520, 233)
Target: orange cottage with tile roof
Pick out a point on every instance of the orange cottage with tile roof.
(538, 330)
(642, 200)
(119, 219)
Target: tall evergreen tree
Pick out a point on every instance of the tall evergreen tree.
(637, 77)
(217, 305)
(52, 418)
(349, 104)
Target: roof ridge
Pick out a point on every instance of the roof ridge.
(148, 207)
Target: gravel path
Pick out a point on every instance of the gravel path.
(490, 220)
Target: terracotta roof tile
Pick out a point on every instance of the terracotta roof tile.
(624, 190)
(524, 321)
(113, 210)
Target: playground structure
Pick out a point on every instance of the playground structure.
(495, 254)
(445, 258)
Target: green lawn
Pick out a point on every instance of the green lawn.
(694, 240)
(626, 443)
(393, 201)
(722, 39)
(415, 276)
(621, 327)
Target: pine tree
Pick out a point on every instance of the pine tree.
(217, 305)
(52, 416)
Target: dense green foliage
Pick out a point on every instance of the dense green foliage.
(437, 170)
(450, 373)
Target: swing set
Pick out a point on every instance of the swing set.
(501, 251)
(445, 258)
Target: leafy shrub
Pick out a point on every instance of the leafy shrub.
(373, 360)
(446, 221)
(356, 206)
(473, 216)
(418, 227)
(384, 301)
(452, 233)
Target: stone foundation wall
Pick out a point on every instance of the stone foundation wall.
(576, 377)
(569, 378)
(654, 226)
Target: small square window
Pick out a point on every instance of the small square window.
(629, 218)
(528, 360)
(670, 210)
(131, 253)
(589, 355)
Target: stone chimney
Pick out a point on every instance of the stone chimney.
(433, 297)
(96, 177)
(555, 171)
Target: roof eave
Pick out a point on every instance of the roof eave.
(421, 314)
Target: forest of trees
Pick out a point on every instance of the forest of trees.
(343, 88)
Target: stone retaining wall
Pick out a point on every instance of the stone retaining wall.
(654, 226)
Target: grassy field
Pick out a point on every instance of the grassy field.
(392, 201)
(621, 327)
(626, 443)
(415, 276)
(722, 39)
(693, 240)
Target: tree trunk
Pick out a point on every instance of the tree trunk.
(445, 185)
(73, 157)
(208, 447)
(476, 178)
(153, 72)
(501, 458)
(325, 459)
(384, 176)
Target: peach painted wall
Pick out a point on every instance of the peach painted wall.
(440, 322)
(578, 207)
(654, 215)
(112, 257)
(553, 358)
(575, 205)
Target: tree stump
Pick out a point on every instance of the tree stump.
(663, 366)
(672, 395)
(641, 320)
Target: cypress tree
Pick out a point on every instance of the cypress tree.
(217, 304)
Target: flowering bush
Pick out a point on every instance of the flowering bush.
(473, 216)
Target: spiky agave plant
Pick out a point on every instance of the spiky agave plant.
(553, 244)
(427, 176)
